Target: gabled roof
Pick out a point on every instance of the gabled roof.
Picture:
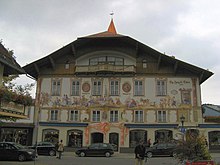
(211, 110)
(114, 39)
(10, 65)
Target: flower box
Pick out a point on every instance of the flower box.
(202, 162)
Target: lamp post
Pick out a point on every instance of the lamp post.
(182, 119)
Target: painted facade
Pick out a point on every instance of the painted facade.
(111, 88)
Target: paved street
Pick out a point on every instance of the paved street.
(118, 159)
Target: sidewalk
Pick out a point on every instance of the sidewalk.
(215, 156)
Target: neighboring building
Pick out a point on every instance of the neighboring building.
(20, 131)
(9, 66)
(108, 87)
(211, 114)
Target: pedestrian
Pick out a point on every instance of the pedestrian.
(56, 148)
(60, 148)
(148, 142)
(139, 153)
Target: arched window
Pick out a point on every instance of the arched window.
(96, 137)
(50, 135)
(214, 140)
(163, 135)
(136, 136)
(75, 138)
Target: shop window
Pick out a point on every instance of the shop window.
(17, 135)
(75, 138)
(214, 140)
(51, 135)
(135, 136)
(163, 136)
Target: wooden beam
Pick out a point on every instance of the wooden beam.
(73, 49)
(52, 62)
(158, 62)
(37, 68)
(175, 67)
(137, 48)
(201, 76)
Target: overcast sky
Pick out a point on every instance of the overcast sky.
(186, 29)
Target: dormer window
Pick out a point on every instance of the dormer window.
(106, 60)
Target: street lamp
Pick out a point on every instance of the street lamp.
(182, 119)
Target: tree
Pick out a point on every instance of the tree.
(194, 148)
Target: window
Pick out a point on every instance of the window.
(161, 116)
(56, 87)
(138, 88)
(113, 116)
(144, 62)
(75, 88)
(97, 87)
(106, 60)
(161, 88)
(114, 87)
(54, 115)
(96, 116)
(139, 117)
(74, 115)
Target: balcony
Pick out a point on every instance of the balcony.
(105, 68)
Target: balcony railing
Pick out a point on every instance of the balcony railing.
(105, 67)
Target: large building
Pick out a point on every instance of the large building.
(111, 88)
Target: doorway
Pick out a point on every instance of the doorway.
(114, 140)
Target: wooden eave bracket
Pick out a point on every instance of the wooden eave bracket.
(137, 48)
(37, 68)
(52, 62)
(73, 49)
(158, 62)
(201, 76)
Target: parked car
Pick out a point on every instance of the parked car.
(45, 148)
(14, 151)
(96, 149)
(161, 149)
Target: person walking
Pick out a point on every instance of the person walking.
(60, 148)
(139, 153)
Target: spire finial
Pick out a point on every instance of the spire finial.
(111, 27)
(112, 14)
